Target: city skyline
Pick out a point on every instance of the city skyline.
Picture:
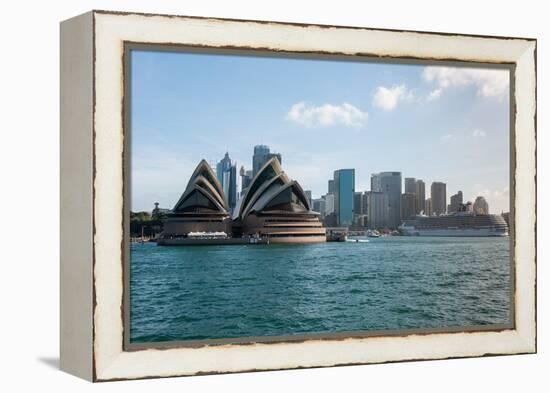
(432, 123)
(402, 187)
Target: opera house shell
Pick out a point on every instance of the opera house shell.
(273, 208)
(276, 207)
(201, 208)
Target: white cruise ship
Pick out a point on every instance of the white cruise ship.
(459, 224)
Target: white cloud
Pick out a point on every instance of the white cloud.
(477, 133)
(389, 98)
(498, 199)
(435, 94)
(327, 115)
(489, 82)
(446, 137)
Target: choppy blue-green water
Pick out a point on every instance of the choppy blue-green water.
(206, 292)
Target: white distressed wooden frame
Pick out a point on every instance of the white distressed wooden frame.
(92, 48)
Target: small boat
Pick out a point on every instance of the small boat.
(356, 240)
(374, 233)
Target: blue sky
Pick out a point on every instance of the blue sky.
(441, 123)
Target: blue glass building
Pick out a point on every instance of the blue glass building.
(344, 190)
(226, 172)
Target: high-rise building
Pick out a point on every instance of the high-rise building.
(390, 184)
(226, 172)
(410, 185)
(428, 211)
(420, 196)
(262, 155)
(318, 206)
(359, 211)
(246, 178)
(358, 203)
(308, 196)
(439, 198)
(329, 217)
(377, 212)
(223, 165)
(329, 204)
(344, 184)
(375, 184)
(456, 201)
(481, 206)
(408, 206)
(331, 189)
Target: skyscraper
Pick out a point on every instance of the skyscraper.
(329, 218)
(318, 205)
(359, 212)
(308, 196)
(456, 201)
(439, 198)
(344, 184)
(358, 202)
(410, 185)
(375, 184)
(223, 165)
(481, 206)
(389, 183)
(246, 178)
(420, 197)
(408, 206)
(428, 211)
(262, 155)
(377, 211)
(226, 172)
(329, 204)
(331, 186)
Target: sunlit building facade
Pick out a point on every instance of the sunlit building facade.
(377, 209)
(390, 184)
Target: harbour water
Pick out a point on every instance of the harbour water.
(207, 292)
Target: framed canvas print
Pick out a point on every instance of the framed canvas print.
(247, 195)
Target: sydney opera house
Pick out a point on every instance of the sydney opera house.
(272, 209)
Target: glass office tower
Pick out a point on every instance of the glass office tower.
(344, 187)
